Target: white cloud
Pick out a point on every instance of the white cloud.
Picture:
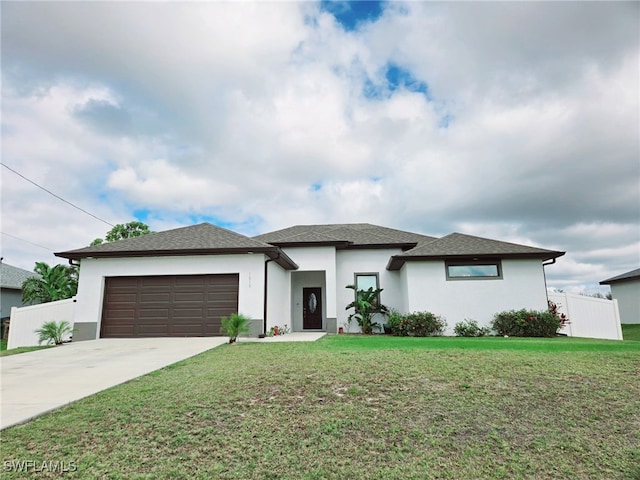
(256, 114)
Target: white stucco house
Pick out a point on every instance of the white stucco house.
(626, 289)
(181, 282)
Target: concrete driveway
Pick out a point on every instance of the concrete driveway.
(37, 382)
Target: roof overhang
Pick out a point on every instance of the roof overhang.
(346, 245)
(397, 261)
(274, 253)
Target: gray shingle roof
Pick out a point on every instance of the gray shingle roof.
(208, 239)
(461, 245)
(351, 234)
(201, 239)
(13, 277)
(632, 275)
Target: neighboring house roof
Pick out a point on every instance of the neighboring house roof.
(13, 277)
(632, 275)
(359, 235)
(458, 245)
(202, 239)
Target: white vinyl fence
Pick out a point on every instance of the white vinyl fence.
(588, 316)
(25, 320)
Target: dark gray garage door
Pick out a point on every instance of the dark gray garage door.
(168, 306)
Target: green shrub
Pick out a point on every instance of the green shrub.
(53, 332)
(416, 324)
(234, 326)
(470, 328)
(394, 318)
(526, 323)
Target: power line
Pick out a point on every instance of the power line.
(57, 196)
(23, 240)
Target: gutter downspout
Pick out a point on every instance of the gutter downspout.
(266, 277)
(544, 274)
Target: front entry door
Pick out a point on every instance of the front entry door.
(312, 308)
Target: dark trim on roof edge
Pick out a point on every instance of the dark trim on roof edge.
(621, 280)
(397, 261)
(274, 253)
(344, 245)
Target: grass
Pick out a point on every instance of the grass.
(5, 353)
(352, 406)
(631, 331)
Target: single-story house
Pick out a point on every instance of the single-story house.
(11, 280)
(626, 289)
(181, 282)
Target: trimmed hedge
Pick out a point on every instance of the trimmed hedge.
(416, 324)
(526, 323)
(470, 328)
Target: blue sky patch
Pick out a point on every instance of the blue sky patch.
(142, 214)
(351, 14)
(395, 77)
(398, 77)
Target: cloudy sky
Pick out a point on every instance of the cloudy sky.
(515, 121)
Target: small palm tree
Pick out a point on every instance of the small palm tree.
(234, 326)
(53, 332)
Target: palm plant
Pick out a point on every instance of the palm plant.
(235, 325)
(366, 305)
(53, 332)
(53, 283)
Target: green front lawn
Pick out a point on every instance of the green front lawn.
(5, 353)
(351, 406)
(631, 331)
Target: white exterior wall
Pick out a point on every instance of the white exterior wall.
(94, 270)
(279, 296)
(349, 262)
(522, 286)
(628, 295)
(25, 320)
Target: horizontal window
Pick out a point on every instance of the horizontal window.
(473, 270)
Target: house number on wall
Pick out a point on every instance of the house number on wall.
(313, 303)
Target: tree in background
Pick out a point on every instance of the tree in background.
(122, 231)
(53, 283)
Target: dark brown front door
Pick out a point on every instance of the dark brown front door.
(312, 308)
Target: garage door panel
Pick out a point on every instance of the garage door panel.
(122, 297)
(162, 313)
(188, 313)
(122, 330)
(154, 281)
(153, 330)
(150, 297)
(182, 305)
(189, 297)
(212, 329)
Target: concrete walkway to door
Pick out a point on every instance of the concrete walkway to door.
(37, 382)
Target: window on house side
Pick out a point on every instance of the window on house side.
(472, 270)
(365, 281)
